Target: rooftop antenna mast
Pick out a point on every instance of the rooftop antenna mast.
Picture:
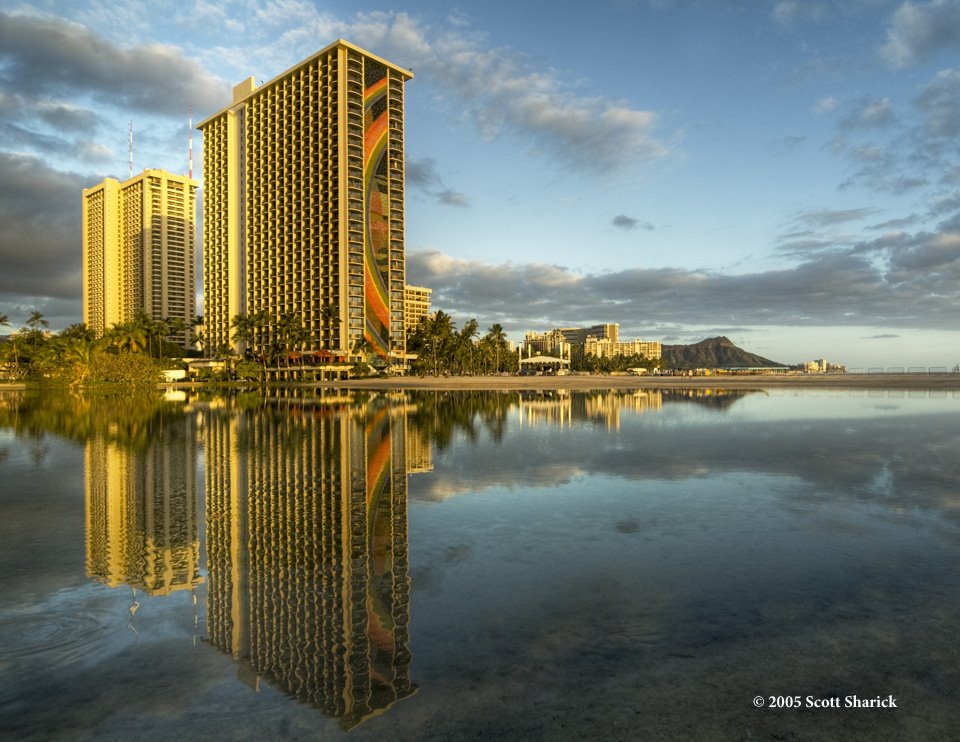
(131, 149)
(190, 147)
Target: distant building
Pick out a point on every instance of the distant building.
(602, 341)
(552, 343)
(577, 336)
(416, 305)
(820, 366)
(650, 349)
(139, 242)
(304, 204)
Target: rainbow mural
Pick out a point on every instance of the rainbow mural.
(376, 233)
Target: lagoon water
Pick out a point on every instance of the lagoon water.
(431, 565)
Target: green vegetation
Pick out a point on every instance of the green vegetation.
(443, 351)
(130, 353)
(616, 364)
(130, 420)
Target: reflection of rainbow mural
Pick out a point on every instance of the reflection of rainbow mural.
(376, 235)
(380, 620)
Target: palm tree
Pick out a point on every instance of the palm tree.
(37, 321)
(130, 336)
(11, 342)
(78, 331)
(499, 339)
(464, 350)
(292, 334)
(176, 327)
(244, 327)
(285, 327)
(248, 329)
(439, 329)
(330, 316)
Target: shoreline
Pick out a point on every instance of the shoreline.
(948, 381)
(931, 382)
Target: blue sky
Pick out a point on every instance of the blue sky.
(786, 173)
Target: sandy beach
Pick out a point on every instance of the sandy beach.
(932, 382)
(949, 381)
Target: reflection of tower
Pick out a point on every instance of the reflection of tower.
(417, 448)
(606, 406)
(307, 554)
(550, 408)
(141, 511)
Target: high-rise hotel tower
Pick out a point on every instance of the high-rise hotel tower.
(139, 239)
(303, 204)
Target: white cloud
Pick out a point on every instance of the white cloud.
(495, 89)
(918, 30)
(422, 174)
(826, 104)
(898, 280)
(869, 114)
(45, 58)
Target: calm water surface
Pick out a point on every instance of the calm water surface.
(509, 565)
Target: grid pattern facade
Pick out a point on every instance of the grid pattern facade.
(218, 309)
(416, 306)
(651, 349)
(95, 240)
(304, 203)
(138, 251)
(141, 511)
(308, 563)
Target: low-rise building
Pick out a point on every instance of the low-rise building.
(416, 306)
(603, 348)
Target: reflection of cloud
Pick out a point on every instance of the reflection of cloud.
(838, 461)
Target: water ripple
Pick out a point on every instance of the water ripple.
(60, 638)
